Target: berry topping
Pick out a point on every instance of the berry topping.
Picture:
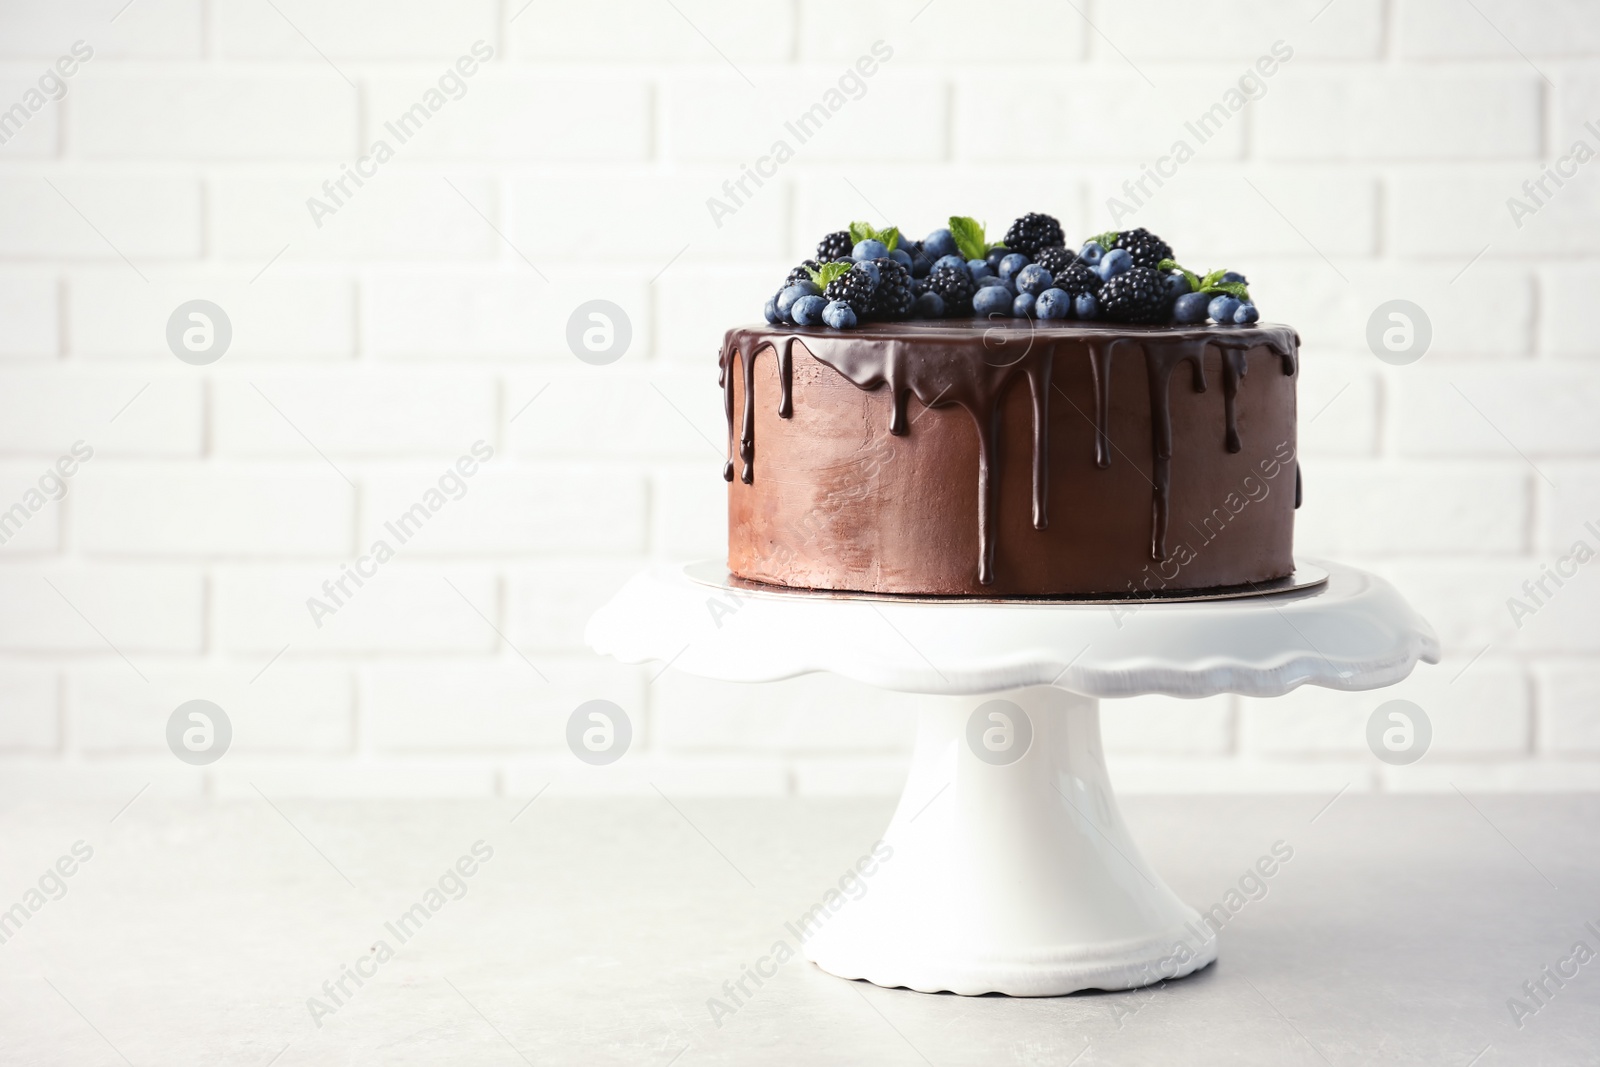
(1032, 232)
(866, 274)
(1191, 308)
(785, 300)
(1146, 248)
(871, 248)
(939, 243)
(1078, 278)
(992, 300)
(1114, 263)
(954, 286)
(1222, 307)
(839, 315)
(1054, 259)
(835, 246)
(853, 287)
(1034, 279)
(1137, 295)
(807, 311)
(1053, 304)
(893, 297)
(805, 272)
(1010, 264)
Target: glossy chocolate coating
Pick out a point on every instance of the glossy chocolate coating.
(1038, 460)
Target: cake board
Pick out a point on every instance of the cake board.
(1009, 868)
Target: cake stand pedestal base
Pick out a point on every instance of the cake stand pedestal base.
(1011, 874)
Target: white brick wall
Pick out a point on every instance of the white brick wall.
(429, 311)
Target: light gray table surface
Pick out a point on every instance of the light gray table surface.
(599, 930)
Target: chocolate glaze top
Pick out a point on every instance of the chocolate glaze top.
(969, 363)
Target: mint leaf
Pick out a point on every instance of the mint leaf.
(864, 231)
(969, 237)
(1210, 280)
(1105, 240)
(829, 272)
(1231, 288)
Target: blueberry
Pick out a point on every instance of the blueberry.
(1114, 263)
(1177, 284)
(1091, 253)
(950, 261)
(921, 264)
(939, 243)
(869, 249)
(990, 281)
(1022, 306)
(1009, 265)
(993, 257)
(872, 270)
(807, 311)
(979, 268)
(1222, 307)
(839, 315)
(1085, 306)
(1233, 276)
(771, 310)
(1053, 304)
(1191, 308)
(901, 257)
(929, 306)
(1033, 279)
(784, 302)
(1246, 313)
(992, 300)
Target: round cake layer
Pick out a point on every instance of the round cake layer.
(966, 457)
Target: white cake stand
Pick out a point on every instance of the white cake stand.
(1011, 868)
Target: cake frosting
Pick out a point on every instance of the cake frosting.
(1003, 457)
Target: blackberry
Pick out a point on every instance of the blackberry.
(1054, 259)
(835, 246)
(1078, 278)
(893, 297)
(854, 287)
(1145, 247)
(802, 273)
(1032, 232)
(954, 286)
(1138, 295)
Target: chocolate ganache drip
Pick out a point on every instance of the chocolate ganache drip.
(971, 364)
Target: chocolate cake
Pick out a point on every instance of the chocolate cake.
(960, 417)
(1011, 457)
